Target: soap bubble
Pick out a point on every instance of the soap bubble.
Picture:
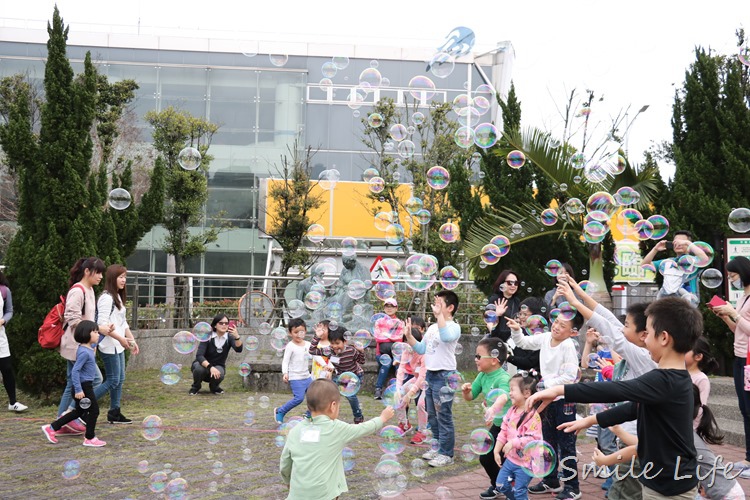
(369, 174)
(184, 342)
(413, 205)
(548, 217)
(394, 234)
(295, 308)
(446, 394)
(424, 216)
(739, 220)
(449, 232)
(417, 118)
(711, 278)
(421, 88)
(202, 331)
(119, 199)
(143, 466)
(278, 60)
(362, 338)
(158, 482)
(405, 150)
(370, 77)
(264, 402)
(552, 267)
(347, 455)
(515, 159)
(213, 436)
(314, 299)
(701, 252)
(170, 374)
(384, 289)
(151, 428)
(393, 439)
(574, 206)
(442, 64)
(348, 383)
(249, 418)
(385, 360)
(454, 380)
(467, 454)
(481, 441)
(485, 135)
(418, 468)
(443, 493)
(316, 233)
(189, 158)
(71, 469)
(464, 137)
(567, 311)
(449, 277)
(626, 195)
(536, 324)
(387, 481)
(244, 369)
(376, 185)
(538, 459)
(438, 177)
(492, 396)
(660, 226)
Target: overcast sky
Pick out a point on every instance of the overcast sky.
(633, 53)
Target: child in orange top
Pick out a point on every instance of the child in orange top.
(519, 428)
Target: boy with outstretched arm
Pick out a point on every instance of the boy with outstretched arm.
(661, 399)
(558, 362)
(439, 348)
(311, 462)
(628, 340)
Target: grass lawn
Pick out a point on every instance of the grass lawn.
(31, 467)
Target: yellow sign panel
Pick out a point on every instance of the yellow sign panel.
(346, 210)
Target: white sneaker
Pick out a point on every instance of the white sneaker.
(440, 461)
(18, 407)
(430, 455)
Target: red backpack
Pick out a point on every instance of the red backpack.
(54, 325)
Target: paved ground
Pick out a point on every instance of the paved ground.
(471, 484)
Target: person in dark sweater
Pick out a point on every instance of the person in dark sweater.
(506, 301)
(211, 356)
(661, 399)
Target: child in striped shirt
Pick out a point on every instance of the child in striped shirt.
(344, 358)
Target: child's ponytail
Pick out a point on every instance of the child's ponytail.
(708, 430)
(707, 364)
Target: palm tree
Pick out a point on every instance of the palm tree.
(523, 223)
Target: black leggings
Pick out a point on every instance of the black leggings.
(89, 415)
(488, 459)
(9, 378)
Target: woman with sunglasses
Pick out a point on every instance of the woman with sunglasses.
(211, 356)
(506, 302)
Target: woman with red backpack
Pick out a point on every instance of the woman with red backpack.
(6, 366)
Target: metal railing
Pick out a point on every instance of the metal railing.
(255, 300)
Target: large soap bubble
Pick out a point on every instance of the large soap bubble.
(119, 199)
(189, 158)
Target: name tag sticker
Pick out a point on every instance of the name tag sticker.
(335, 360)
(310, 436)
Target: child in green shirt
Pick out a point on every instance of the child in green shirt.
(490, 356)
(311, 462)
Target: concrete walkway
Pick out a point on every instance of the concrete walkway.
(471, 484)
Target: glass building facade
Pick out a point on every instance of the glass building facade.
(261, 107)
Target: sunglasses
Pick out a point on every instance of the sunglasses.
(511, 283)
(223, 323)
(479, 356)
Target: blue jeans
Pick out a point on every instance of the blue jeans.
(441, 421)
(299, 388)
(114, 368)
(743, 398)
(66, 400)
(512, 472)
(354, 403)
(563, 443)
(383, 371)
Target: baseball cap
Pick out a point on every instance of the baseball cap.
(391, 301)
